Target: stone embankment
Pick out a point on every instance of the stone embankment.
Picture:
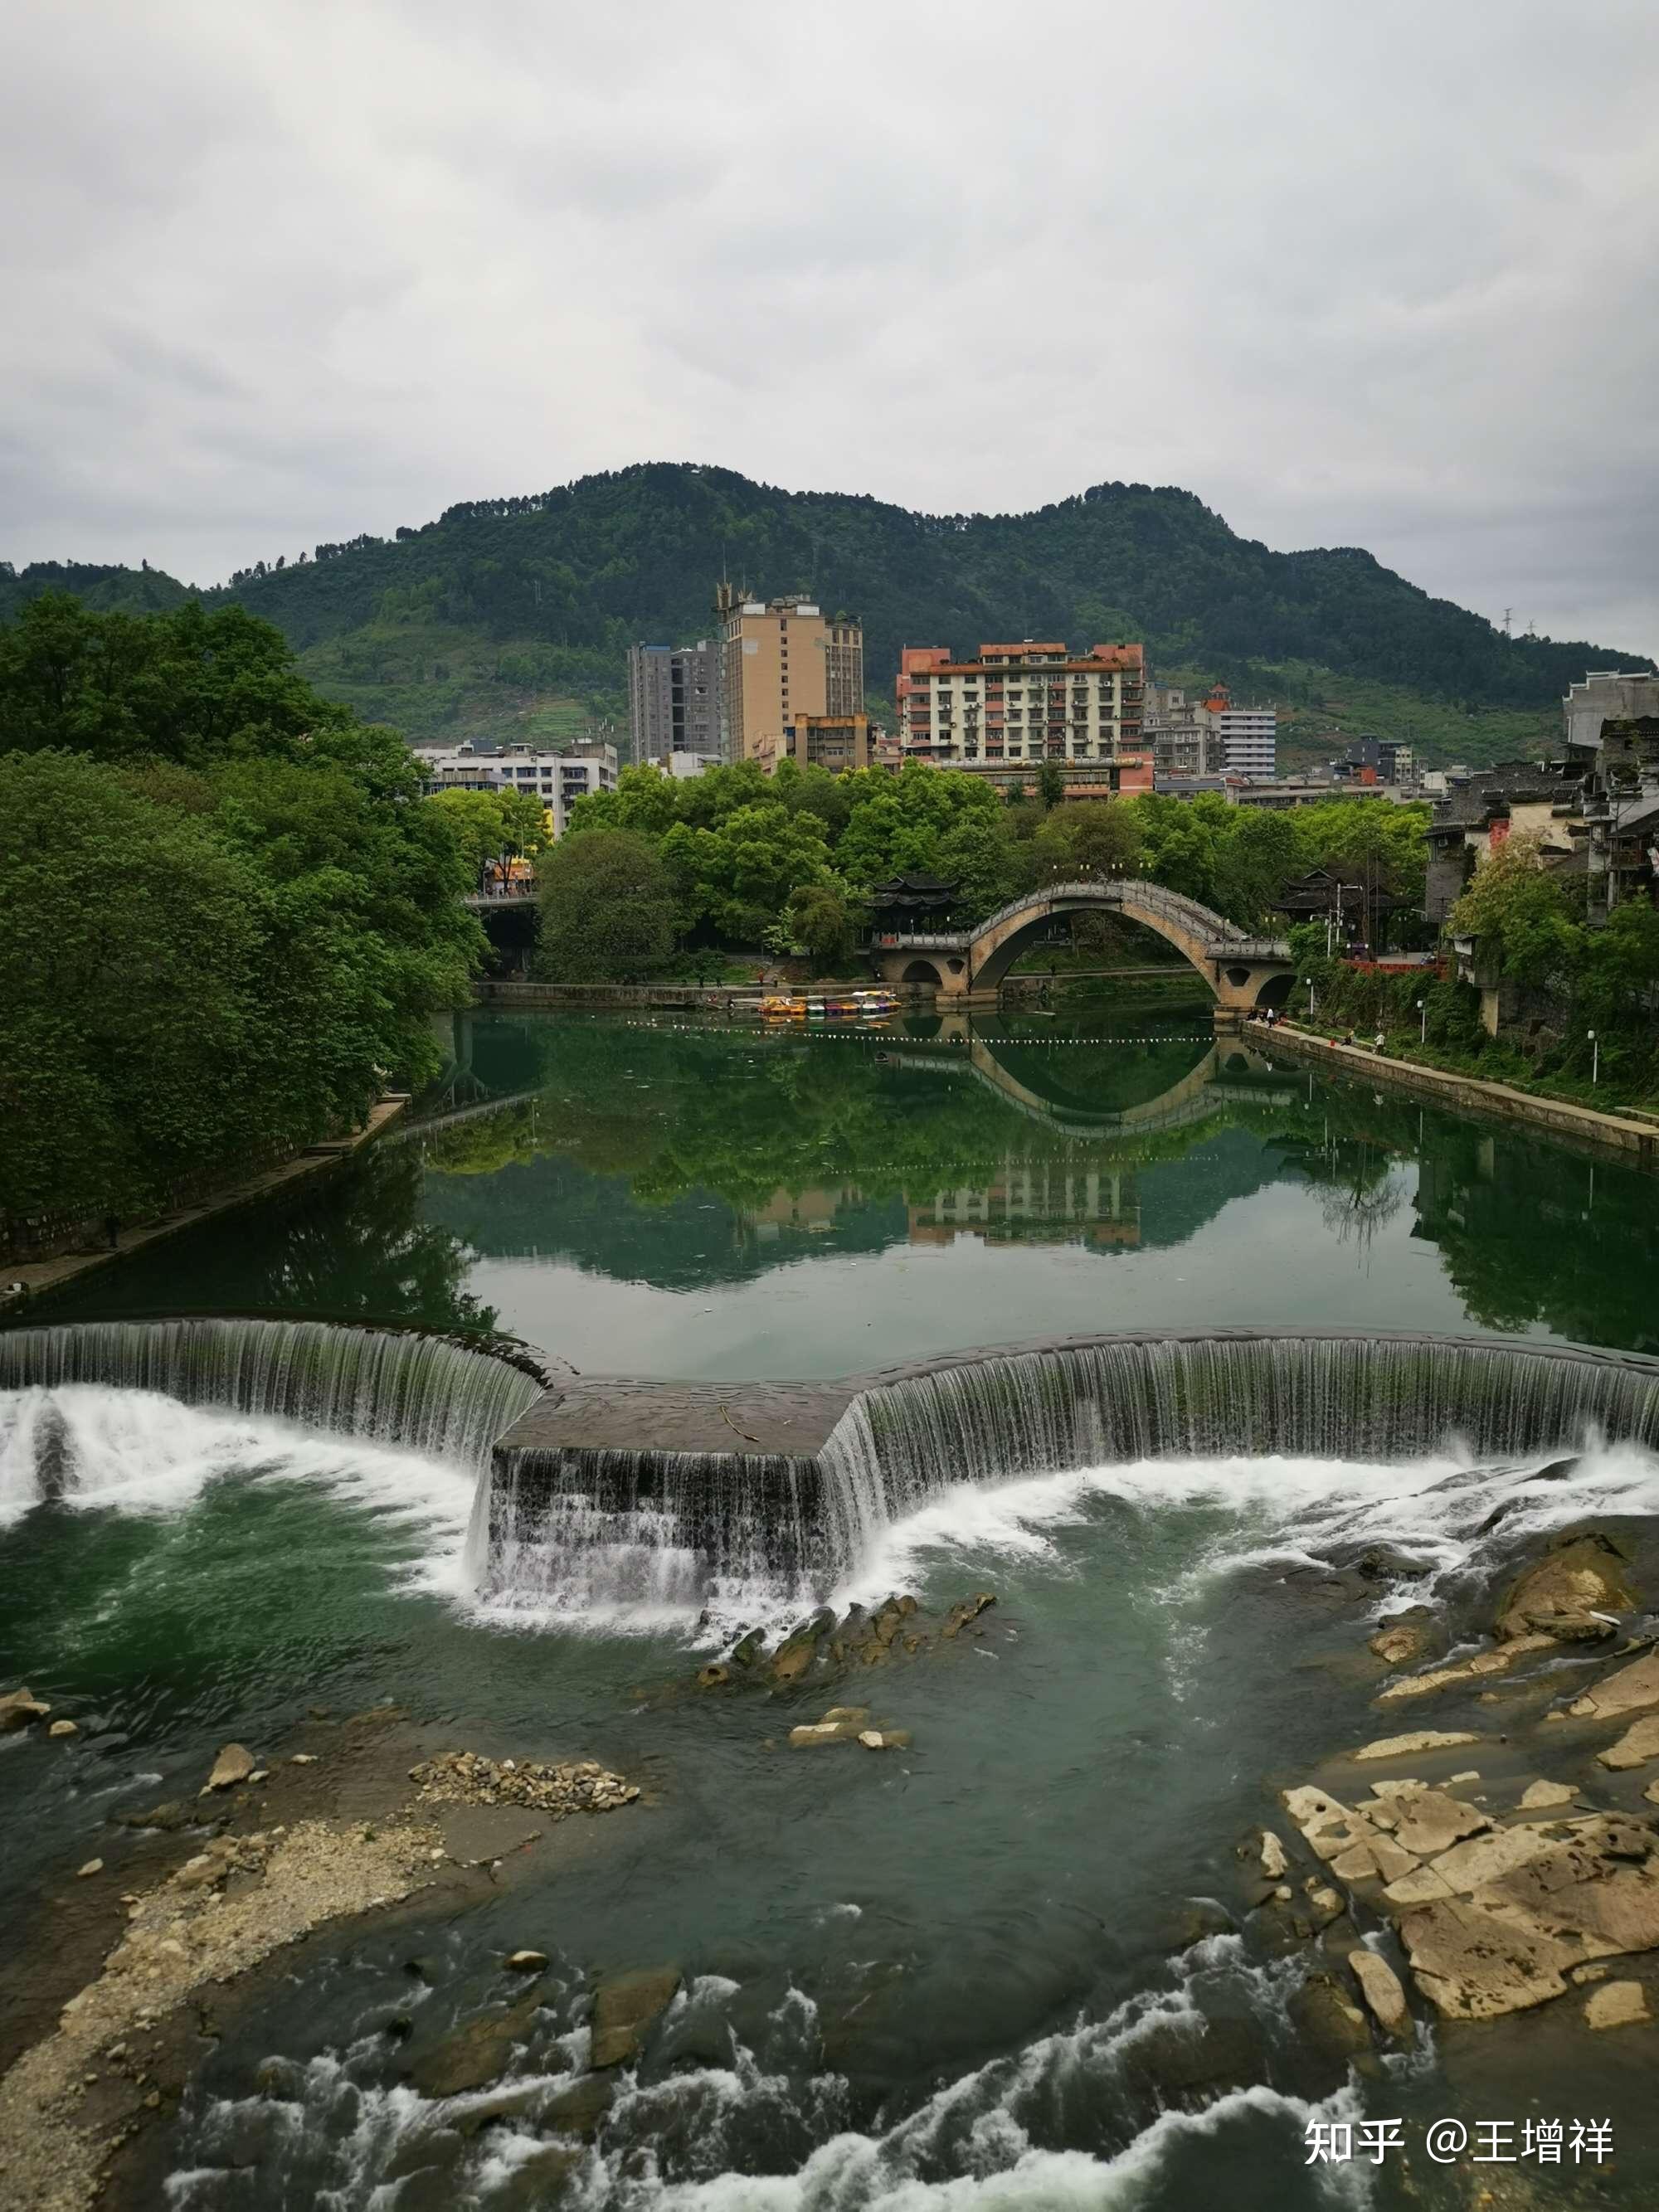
(1622, 1132)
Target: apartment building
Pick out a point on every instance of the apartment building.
(779, 658)
(1179, 731)
(558, 780)
(1248, 737)
(1016, 707)
(673, 699)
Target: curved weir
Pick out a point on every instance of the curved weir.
(572, 1515)
(396, 1386)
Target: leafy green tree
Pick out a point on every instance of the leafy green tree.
(740, 875)
(609, 911)
(1513, 904)
(820, 920)
(1051, 784)
(172, 1011)
(490, 824)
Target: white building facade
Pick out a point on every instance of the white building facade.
(558, 780)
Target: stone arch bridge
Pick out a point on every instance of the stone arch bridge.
(972, 963)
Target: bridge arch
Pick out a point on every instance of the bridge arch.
(1235, 966)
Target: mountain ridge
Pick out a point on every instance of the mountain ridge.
(513, 615)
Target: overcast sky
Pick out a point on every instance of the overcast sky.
(1380, 276)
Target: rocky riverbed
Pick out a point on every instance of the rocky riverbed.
(133, 1965)
(1502, 1855)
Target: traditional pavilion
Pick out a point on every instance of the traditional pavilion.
(909, 905)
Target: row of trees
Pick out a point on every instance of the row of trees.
(226, 914)
(735, 858)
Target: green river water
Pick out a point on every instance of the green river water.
(945, 1978)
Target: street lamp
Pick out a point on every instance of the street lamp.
(1310, 1002)
(1595, 1055)
(1423, 1028)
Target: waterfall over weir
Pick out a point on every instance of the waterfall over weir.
(424, 1394)
(571, 1521)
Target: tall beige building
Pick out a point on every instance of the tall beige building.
(781, 659)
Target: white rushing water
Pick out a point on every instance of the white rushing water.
(89, 1446)
(692, 2141)
(90, 1449)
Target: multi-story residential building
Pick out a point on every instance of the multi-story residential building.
(558, 780)
(673, 699)
(779, 659)
(1180, 732)
(1016, 707)
(1248, 736)
(835, 742)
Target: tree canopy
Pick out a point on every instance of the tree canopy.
(225, 917)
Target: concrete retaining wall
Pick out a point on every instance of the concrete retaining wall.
(1470, 1094)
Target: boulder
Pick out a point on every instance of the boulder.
(1629, 1691)
(472, 2055)
(1380, 1986)
(711, 1677)
(1327, 2020)
(1578, 1576)
(1188, 2064)
(234, 1764)
(1273, 1861)
(1617, 2004)
(18, 1708)
(1405, 1638)
(816, 1732)
(624, 2006)
(969, 1609)
(1638, 1744)
(527, 1962)
(798, 1650)
(63, 1727)
(92, 1866)
(748, 1648)
(884, 1739)
(861, 1714)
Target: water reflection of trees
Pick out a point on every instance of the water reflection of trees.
(355, 1247)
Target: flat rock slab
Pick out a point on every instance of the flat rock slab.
(1618, 2004)
(1627, 1692)
(1421, 1739)
(1638, 1744)
(474, 1834)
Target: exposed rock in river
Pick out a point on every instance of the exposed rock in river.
(1629, 1691)
(1560, 1593)
(624, 2008)
(18, 1708)
(234, 1764)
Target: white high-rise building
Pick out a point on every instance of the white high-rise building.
(1248, 737)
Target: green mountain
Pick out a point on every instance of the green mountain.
(512, 617)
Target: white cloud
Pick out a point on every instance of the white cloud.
(1378, 278)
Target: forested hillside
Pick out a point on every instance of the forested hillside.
(515, 614)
